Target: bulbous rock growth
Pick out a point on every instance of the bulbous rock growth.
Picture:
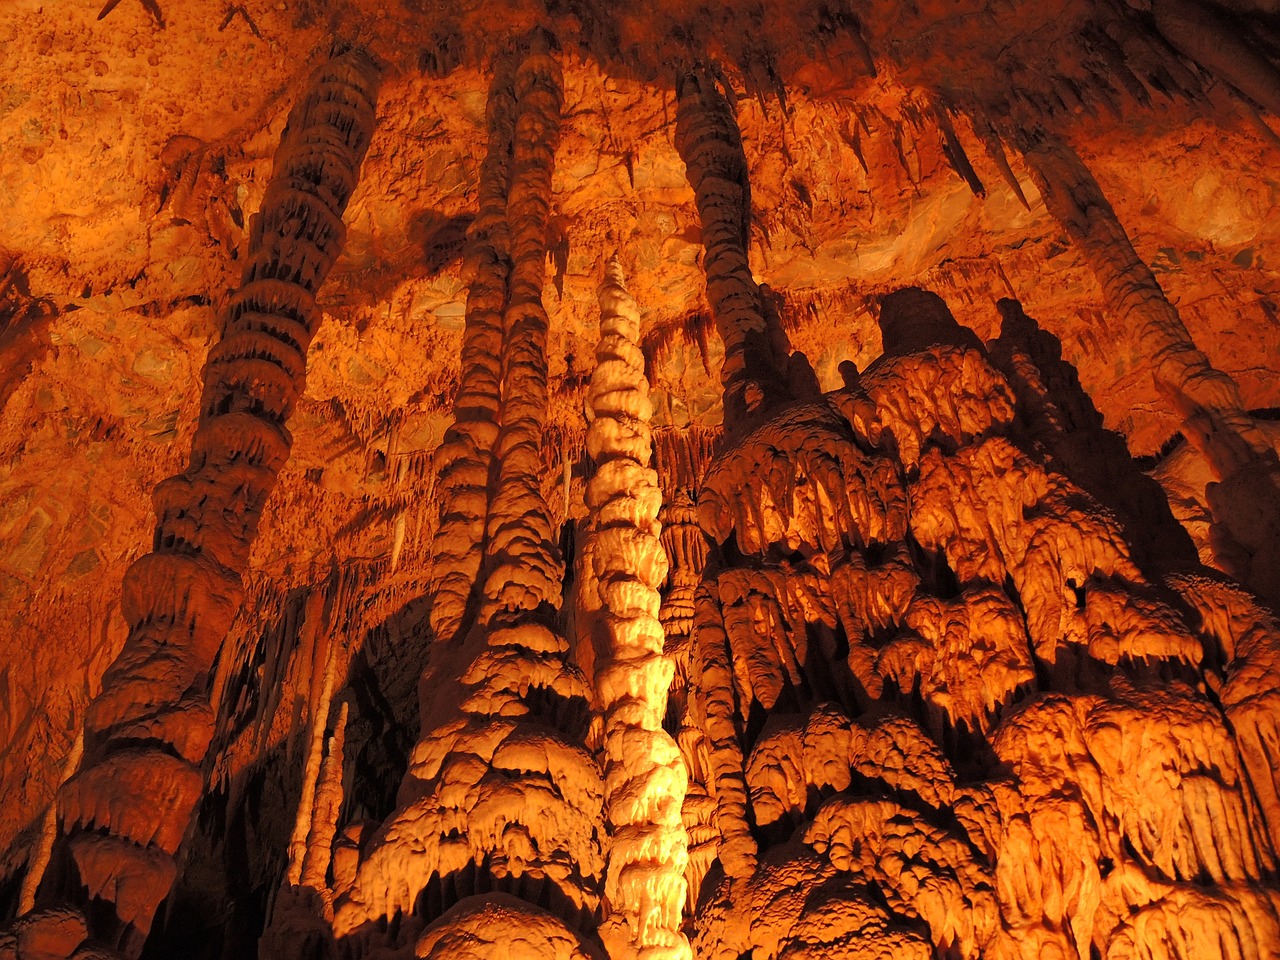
(964, 696)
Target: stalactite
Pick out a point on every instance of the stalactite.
(463, 461)
(325, 808)
(995, 150)
(687, 553)
(644, 775)
(681, 457)
(301, 912)
(737, 848)
(754, 373)
(1075, 779)
(955, 153)
(1245, 500)
(521, 570)
(129, 806)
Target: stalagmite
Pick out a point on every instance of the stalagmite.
(497, 842)
(125, 813)
(1245, 500)
(754, 372)
(644, 775)
(325, 806)
(298, 846)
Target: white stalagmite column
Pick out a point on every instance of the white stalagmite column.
(310, 776)
(325, 810)
(625, 564)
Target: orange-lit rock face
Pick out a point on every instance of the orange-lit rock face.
(936, 667)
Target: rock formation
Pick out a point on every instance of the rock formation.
(1241, 458)
(501, 810)
(880, 562)
(624, 564)
(755, 351)
(965, 721)
(124, 813)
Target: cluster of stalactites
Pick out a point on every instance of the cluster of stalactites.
(147, 733)
(496, 848)
(624, 565)
(756, 351)
(905, 554)
(1054, 410)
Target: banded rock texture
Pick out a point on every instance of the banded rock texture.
(497, 842)
(755, 350)
(624, 564)
(125, 812)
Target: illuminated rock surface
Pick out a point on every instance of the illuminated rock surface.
(908, 588)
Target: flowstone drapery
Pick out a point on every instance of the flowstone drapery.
(956, 716)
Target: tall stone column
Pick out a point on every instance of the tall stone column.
(756, 351)
(1245, 499)
(125, 813)
(624, 565)
(497, 848)
(464, 461)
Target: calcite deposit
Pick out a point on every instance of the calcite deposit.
(646, 482)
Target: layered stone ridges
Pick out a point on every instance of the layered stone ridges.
(625, 564)
(127, 810)
(933, 658)
(754, 372)
(464, 459)
(498, 841)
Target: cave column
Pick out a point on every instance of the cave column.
(521, 568)
(645, 777)
(125, 813)
(756, 352)
(496, 849)
(464, 461)
(1244, 501)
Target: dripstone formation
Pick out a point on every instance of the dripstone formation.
(694, 644)
(123, 814)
